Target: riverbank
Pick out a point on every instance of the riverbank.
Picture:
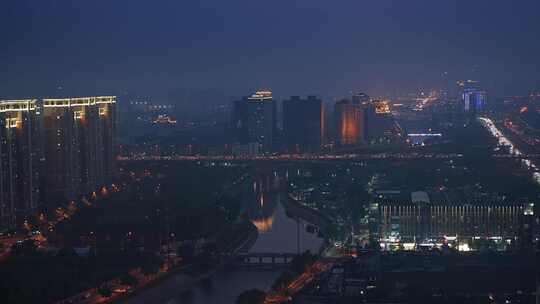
(175, 282)
(308, 214)
(179, 280)
(225, 282)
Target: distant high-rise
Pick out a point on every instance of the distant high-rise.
(380, 124)
(360, 98)
(534, 97)
(303, 124)
(20, 155)
(350, 122)
(472, 97)
(254, 120)
(79, 145)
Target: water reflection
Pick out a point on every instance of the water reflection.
(286, 234)
(278, 232)
(264, 224)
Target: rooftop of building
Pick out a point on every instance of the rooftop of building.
(24, 105)
(261, 95)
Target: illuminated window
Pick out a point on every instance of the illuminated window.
(78, 115)
(11, 123)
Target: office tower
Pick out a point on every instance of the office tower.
(20, 153)
(350, 123)
(474, 101)
(254, 120)
(471, 96)
(79, 145)
(303, 124)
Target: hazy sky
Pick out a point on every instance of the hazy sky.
(294, 47)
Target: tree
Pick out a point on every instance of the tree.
(151, 265)
(374, 244)
(150, 269)
(24, 248)
(186, 251)
(252, 296)
(104, 291)
(128, 279)
(301, 262)
(283, 280)
(332, 231)
(357, 199)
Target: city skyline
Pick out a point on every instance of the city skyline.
(144, 49)
(287, 151)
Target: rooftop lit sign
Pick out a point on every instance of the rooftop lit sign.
(261, 95)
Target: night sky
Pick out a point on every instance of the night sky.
(159, 48)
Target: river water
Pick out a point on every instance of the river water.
(278, 233)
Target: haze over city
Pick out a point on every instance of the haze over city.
(293, 47)
(249, 152)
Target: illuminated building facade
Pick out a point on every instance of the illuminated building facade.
(350, 123)
(20, 159)
(79, 145)
(424, 221)
(362, 120)
(254, 120)
(303, 124)
(473, 99)
(380, 125)
(382, 107)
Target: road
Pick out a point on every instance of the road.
(299, 282)
(318, 157)
(513, 149)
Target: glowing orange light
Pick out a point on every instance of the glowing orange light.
(264, 225)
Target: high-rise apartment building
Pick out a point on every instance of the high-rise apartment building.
(79, 145)
(20, 159)
(303, 124)
(349, 119)
(106, 138)
(53, 150)
(363, 120)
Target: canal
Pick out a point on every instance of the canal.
(279, 232)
